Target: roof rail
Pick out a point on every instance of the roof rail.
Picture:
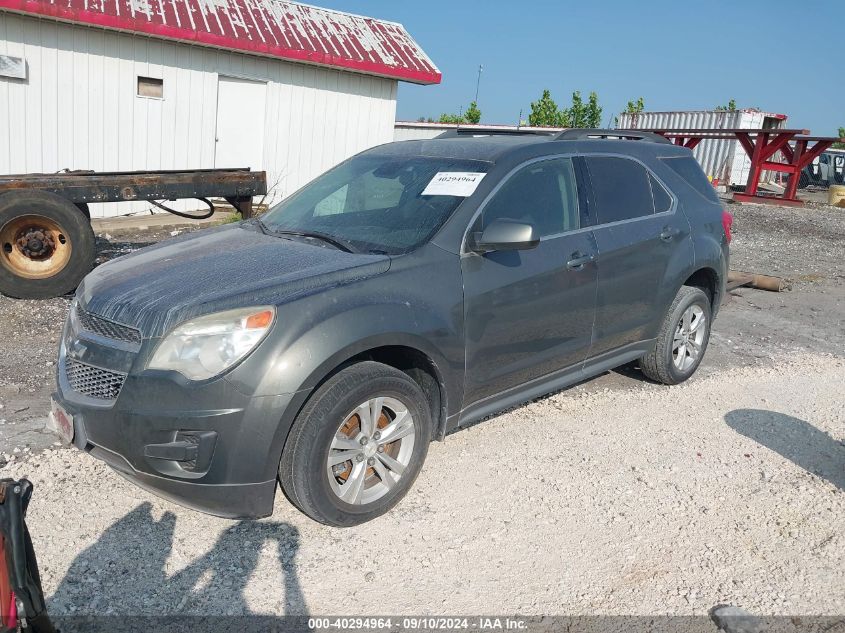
(476, 131)
(577, 134)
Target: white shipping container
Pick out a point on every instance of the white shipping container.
(722, 159)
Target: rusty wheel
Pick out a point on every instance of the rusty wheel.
(371, 450)
(46, 245)
(358, 444)
(34, 247)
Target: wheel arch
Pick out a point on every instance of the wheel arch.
(708, 280)
(405, 352)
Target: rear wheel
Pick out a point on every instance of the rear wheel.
(46, 245)
(682, 340)
(357, 446)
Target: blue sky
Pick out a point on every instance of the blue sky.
(781, 56)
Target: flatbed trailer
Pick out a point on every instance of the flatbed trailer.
(46, 239)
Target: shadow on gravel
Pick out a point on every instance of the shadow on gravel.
(125, 572)
(798, 441)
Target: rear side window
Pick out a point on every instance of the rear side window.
(688, 169)
(621, 189)
(662, 199)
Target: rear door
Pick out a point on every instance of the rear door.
(638, 228)
(530, 313)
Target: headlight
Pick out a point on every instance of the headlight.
(205, 347)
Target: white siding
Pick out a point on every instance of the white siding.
(408, 132)
(78, 109)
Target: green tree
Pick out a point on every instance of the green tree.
(577, 113)
(473, 114)
(731, 107)
(544, 111)
(841, 135)
(635, 107)
(451, 118)
(594, 111)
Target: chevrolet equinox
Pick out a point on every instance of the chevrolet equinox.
(411, 290)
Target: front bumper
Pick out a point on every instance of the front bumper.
(209, 445)
(232, 472)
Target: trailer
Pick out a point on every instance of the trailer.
(46, 241)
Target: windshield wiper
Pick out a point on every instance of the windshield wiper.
(328, 239)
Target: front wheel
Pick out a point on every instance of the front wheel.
(357, 446)
(682, 339)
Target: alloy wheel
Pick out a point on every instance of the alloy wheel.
(371, 450)
(689, 337)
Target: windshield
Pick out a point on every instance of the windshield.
(374, 203)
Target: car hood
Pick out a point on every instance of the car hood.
(158, 287)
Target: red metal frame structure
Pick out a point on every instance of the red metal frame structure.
(761, 145)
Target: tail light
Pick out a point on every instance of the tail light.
(8, 606)
(727, 223)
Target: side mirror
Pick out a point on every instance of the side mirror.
(506, 235)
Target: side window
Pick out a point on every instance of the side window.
(621, 189)
(662, 199)
(688, 169)
(543, 194)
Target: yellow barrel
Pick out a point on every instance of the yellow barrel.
(836, 196)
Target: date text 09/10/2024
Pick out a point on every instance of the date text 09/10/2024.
(481, 623)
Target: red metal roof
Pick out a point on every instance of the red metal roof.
(275, 28)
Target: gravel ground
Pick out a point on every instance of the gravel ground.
(30, 331)
(728, 489)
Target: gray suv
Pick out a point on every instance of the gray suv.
(413, 289)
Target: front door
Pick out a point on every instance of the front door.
(240, 123)
(638, 229)
(527, 313)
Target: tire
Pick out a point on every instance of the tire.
(330, 416)
(662, 364)
(83, 206)
(64, 241)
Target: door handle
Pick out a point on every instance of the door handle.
(578, 260)
(668, 233)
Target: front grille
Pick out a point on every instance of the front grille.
(108, 329)
(93, 381)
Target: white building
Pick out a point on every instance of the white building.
(120, 85)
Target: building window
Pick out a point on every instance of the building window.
(12, 67)
(150, 87)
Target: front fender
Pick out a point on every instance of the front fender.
(315, 355)
(316, 334)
